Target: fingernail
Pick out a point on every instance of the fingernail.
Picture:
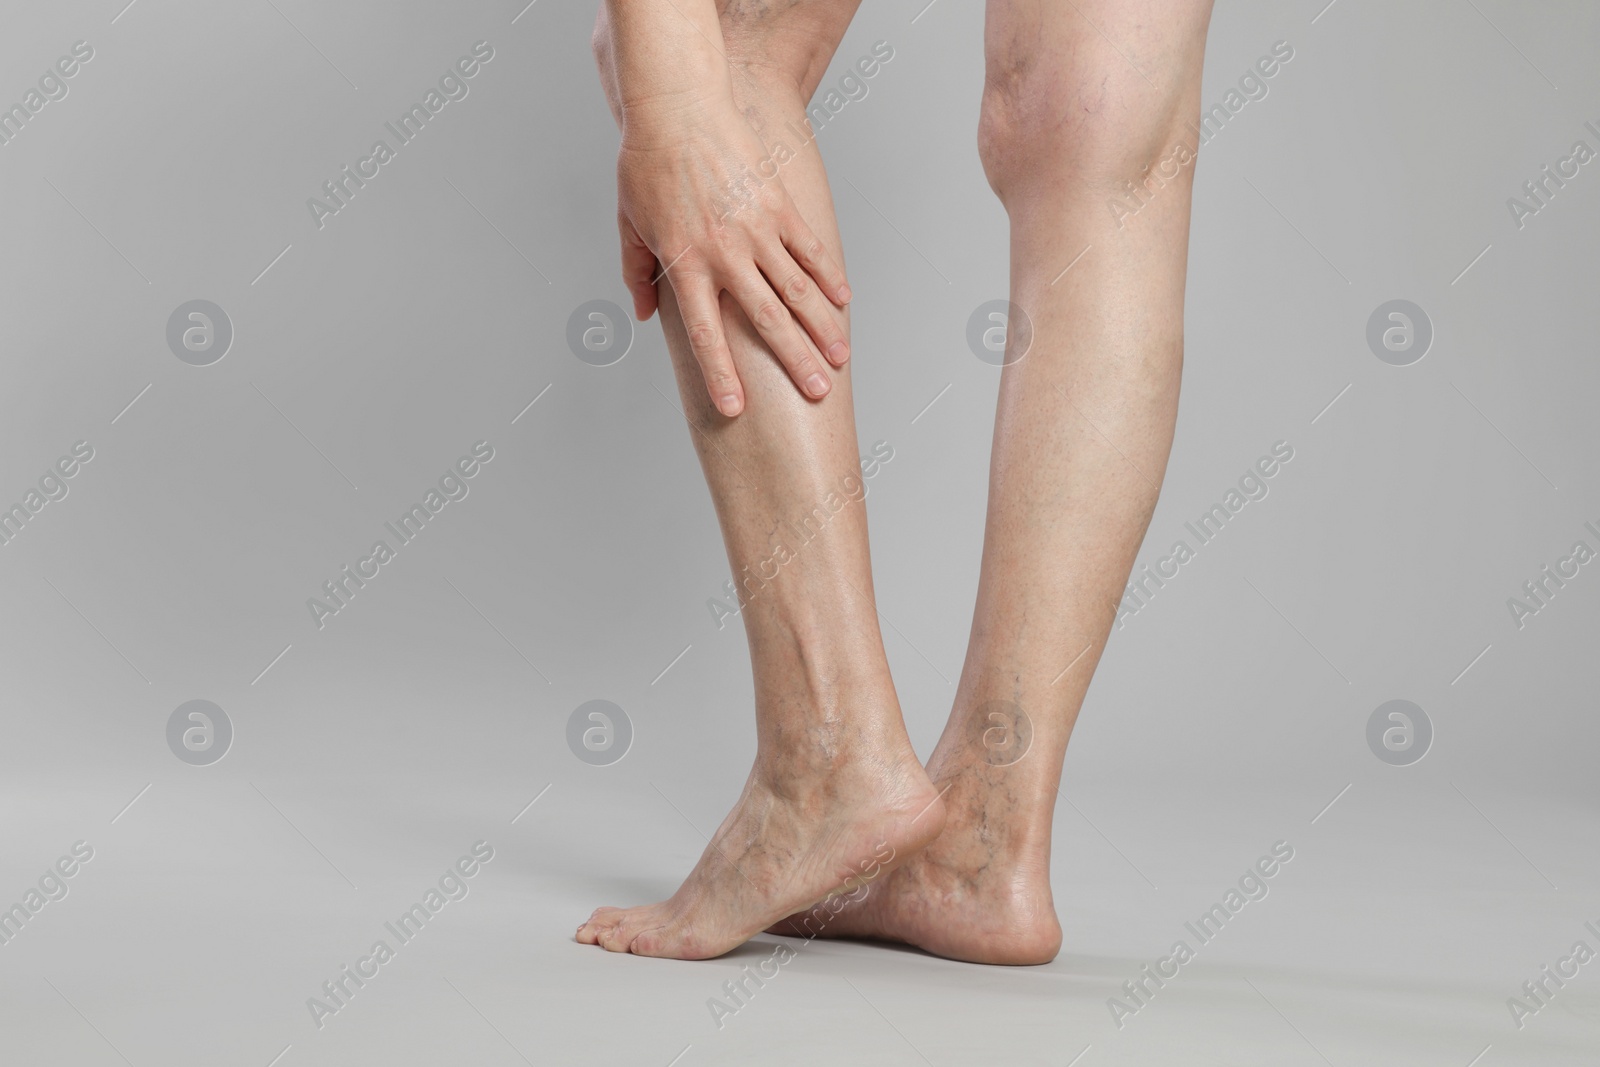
(728, 405)
(838, 353)
(844, 294)
(816, 385)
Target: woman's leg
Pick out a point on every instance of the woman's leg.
(1081, 99)
(837, 792)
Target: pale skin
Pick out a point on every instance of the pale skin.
(1080, 98)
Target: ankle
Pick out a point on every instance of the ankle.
(1011, 807)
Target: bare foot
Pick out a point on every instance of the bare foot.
(979, 893)
(844, 812)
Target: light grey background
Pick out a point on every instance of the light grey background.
(371, 353)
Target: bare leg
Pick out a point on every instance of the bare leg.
(837, 794)
(1081, 440)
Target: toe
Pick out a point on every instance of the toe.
(649, 943)
(590, 932)
(680, 939)
(619, 935)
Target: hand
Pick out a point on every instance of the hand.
(696, 204)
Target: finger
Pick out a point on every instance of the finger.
(639, 267)
(702, 321)
(805, 300)
(812, 254)
(779, 330)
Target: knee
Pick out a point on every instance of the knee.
(1040, 126)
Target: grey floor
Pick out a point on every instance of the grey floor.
(211, 912)
(364, 754)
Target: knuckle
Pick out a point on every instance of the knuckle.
(702, 337)
(771, 315)
(772, 199)
(796, 288)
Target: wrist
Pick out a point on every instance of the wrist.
(665, 118)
